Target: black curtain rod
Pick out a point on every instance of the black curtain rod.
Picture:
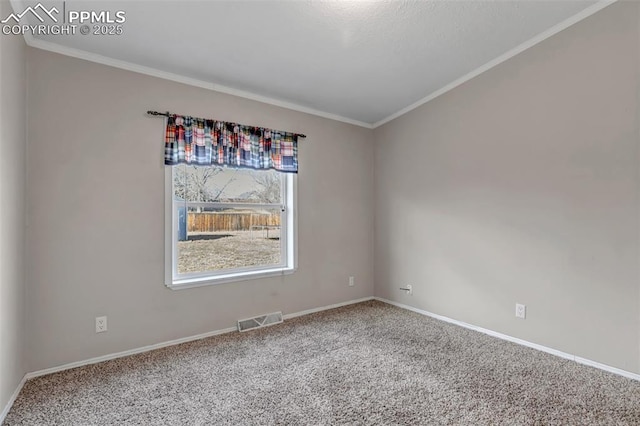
(168, 114)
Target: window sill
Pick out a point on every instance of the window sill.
(228, 278)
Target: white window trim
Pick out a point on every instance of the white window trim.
(205, 279)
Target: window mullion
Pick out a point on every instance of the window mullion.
(218, 205)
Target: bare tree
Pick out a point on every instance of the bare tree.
(268, 186)
(193, 183)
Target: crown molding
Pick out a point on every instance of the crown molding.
(104, 60)
(153, 72)
(31, 41)
(500, 59)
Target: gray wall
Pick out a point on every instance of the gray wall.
(12, 189)
(96, 213)
(521, 185)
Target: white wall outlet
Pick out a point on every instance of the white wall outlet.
(352, 281)
(101, 324)
(521, 311)
(408, 288)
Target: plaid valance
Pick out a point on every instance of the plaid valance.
(199, 141)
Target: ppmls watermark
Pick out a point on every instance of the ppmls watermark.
(68, 22)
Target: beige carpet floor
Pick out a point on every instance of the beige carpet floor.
(365, 364)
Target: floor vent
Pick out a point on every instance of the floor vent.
(261, 321)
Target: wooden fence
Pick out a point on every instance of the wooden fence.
(233, 221)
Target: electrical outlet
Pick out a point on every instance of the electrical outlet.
(408, 288)
(521, 311)
(101, 324)
(352, 281)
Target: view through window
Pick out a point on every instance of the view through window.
(228, 220)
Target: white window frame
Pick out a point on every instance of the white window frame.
(288, 238)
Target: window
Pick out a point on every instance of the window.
(226, 224)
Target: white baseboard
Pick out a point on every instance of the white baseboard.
(326, 308)
(148, 348)
(506, 337)
(142, 349)
(7, 407)
(116, 355)
(175, 342)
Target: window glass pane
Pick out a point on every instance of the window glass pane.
(221, 184)
(215, 239)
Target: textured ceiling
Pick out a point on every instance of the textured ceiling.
(360, 60)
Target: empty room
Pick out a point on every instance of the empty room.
(285, 212)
